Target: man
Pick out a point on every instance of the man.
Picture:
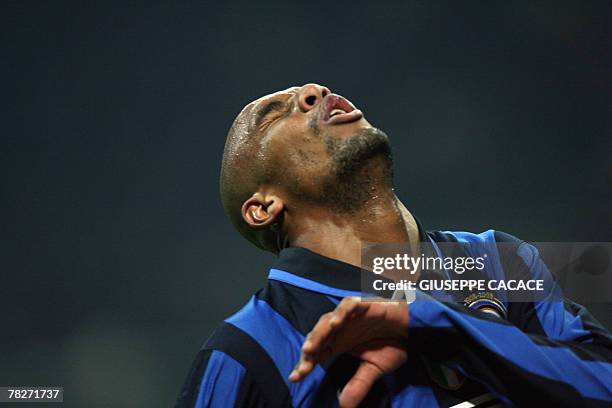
(305, 176)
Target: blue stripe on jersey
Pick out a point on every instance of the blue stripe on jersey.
(556, 363)
(558, 323)
(221, 381)
(282, 276)
(281, 341)
(479, 245)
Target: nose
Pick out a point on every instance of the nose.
(310, 95)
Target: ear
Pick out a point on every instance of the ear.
(261, 211)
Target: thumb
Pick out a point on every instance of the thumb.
(359, 385)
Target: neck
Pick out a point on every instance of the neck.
(384, 219)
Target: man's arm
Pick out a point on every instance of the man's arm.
(552, 349)
(214, 381)
(520, 368)
(231, 370)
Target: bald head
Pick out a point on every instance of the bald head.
(289, 149)
(243, 169)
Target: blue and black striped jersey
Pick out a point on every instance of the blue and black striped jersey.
(548, 352)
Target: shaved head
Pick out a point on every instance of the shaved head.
(300, 147)
(243, 169)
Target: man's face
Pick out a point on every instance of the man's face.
(310, 136)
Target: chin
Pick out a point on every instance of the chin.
(357, 148)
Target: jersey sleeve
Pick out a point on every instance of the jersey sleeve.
(549, 352)
(233, 370)
(223, 382)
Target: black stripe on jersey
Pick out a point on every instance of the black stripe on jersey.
(191, 387)
(524, 315)
(263, 372)
(584, 351)
(302, 309)
(309, 265)
(600, 334)
(450, 247)
(599, 345)
(250, 394)
(597, 350)
(468, 391)
(498, 372)
(338, 372)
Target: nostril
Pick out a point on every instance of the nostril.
(311, 100)
(324, 93)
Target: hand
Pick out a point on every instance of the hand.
(373, 331)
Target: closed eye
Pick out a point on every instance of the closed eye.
(266, 110)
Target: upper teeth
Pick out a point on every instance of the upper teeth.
(336, 112)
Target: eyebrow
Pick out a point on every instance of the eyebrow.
(269, 107)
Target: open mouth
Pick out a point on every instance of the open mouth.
(337, 110)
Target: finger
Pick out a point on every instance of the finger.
(320, 342)
(302, 369)
(312, 351)
(324, 340)
(319, 333)
(358, 387)
(322, 334)
(347, 307)
(307, 362)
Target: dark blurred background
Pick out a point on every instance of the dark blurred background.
(116, 258)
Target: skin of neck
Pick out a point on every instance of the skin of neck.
(382, 219)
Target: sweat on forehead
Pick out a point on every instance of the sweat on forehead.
(246, 121)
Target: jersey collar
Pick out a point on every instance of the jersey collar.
(308, 270)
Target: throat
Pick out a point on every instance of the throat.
(341, 236)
